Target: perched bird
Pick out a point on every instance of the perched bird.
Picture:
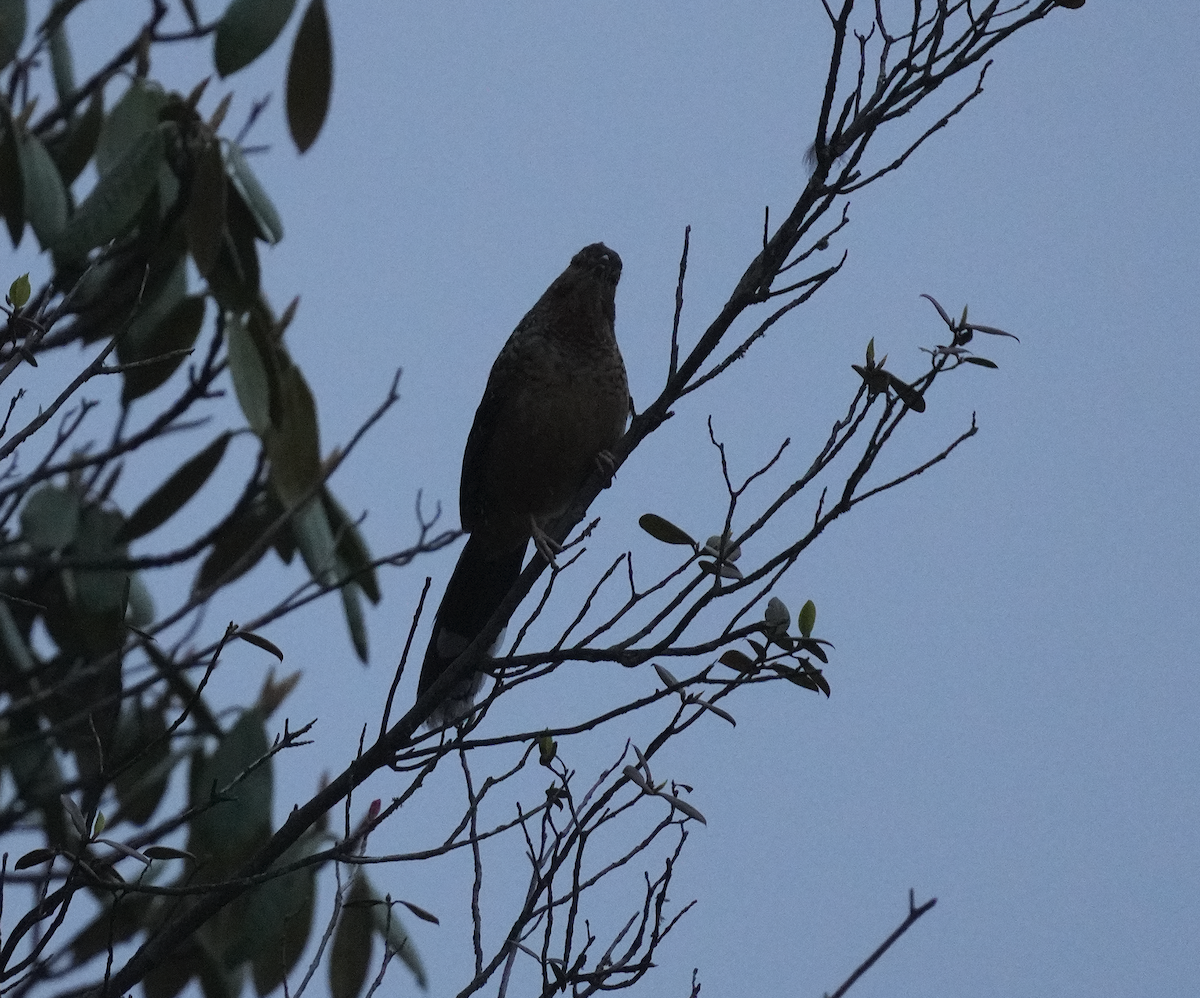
(556, 402)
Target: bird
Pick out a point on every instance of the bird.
(556, 403)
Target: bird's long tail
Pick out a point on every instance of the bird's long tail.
(480, 581)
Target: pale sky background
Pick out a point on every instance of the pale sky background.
(1013, 727)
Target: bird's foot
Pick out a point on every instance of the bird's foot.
(546, 545)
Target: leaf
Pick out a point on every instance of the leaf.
(135, 114)
(141, 605)
(266, 217)
(12, 187)
(315, 541)
(61, 64)
(397, 939)
(665, 675)
(204, 219)
(74, 148)
(234, 277)
(275, 691)
(279, 915)
(170, 497)
(168, 852)
(981, 362)
(808, 618)
(737, 660)
(12, 29)
(230, 828)
(685, 807)
(35, 857)
(352, 941)
(908, 395)
(420, 912)
(728, 571)
(1071, 4)
(260, 642)
(100, 591)
(176, 331)
(235, 537)
(777, 616)
(352, 549)
(294, 449)
(50, 518)
(117, 199)
(142, 757)
(76, 815)
(355, 622)
(19, 291)
(664, 530)
(310, 76)
(246, 30)
(45, 194)
(249, 374)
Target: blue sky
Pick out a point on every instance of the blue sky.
(1013, 726)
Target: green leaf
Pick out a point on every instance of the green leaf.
(808, 618)
(293, 443)
(249, 374)
(141, 756)
(19, 291)
(352, 941)
(397, 939)
(50, 518)
(12, 29)
(280, 916)
(133, 115)
(170, 497)
(45, 194)
(246, 30)
(908, 395)
(235, 537)
(352, 549)
(315, 541)
(204, 219)
(74, 148)
(266, 218)
(980, 361)
(164, 290)
(737, 660)
(12, 186)
(352, 607)
(61, 63)
(116, 200)
(234, 277)
(310, 76)
(230, 828)
(141, 603)
(177, 330)
(664, 530)
(100, 591)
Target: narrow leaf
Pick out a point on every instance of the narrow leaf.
(45, 193)
(174, 333)
(260, 642)
(266, 217)
(170, 497)
(35, 857)
(246, 30)
(310, 76)
(664, 530)
(12, 29)
(117, 198)
(204, 220)
(62, 66)
(980, 361)
(131, 117)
